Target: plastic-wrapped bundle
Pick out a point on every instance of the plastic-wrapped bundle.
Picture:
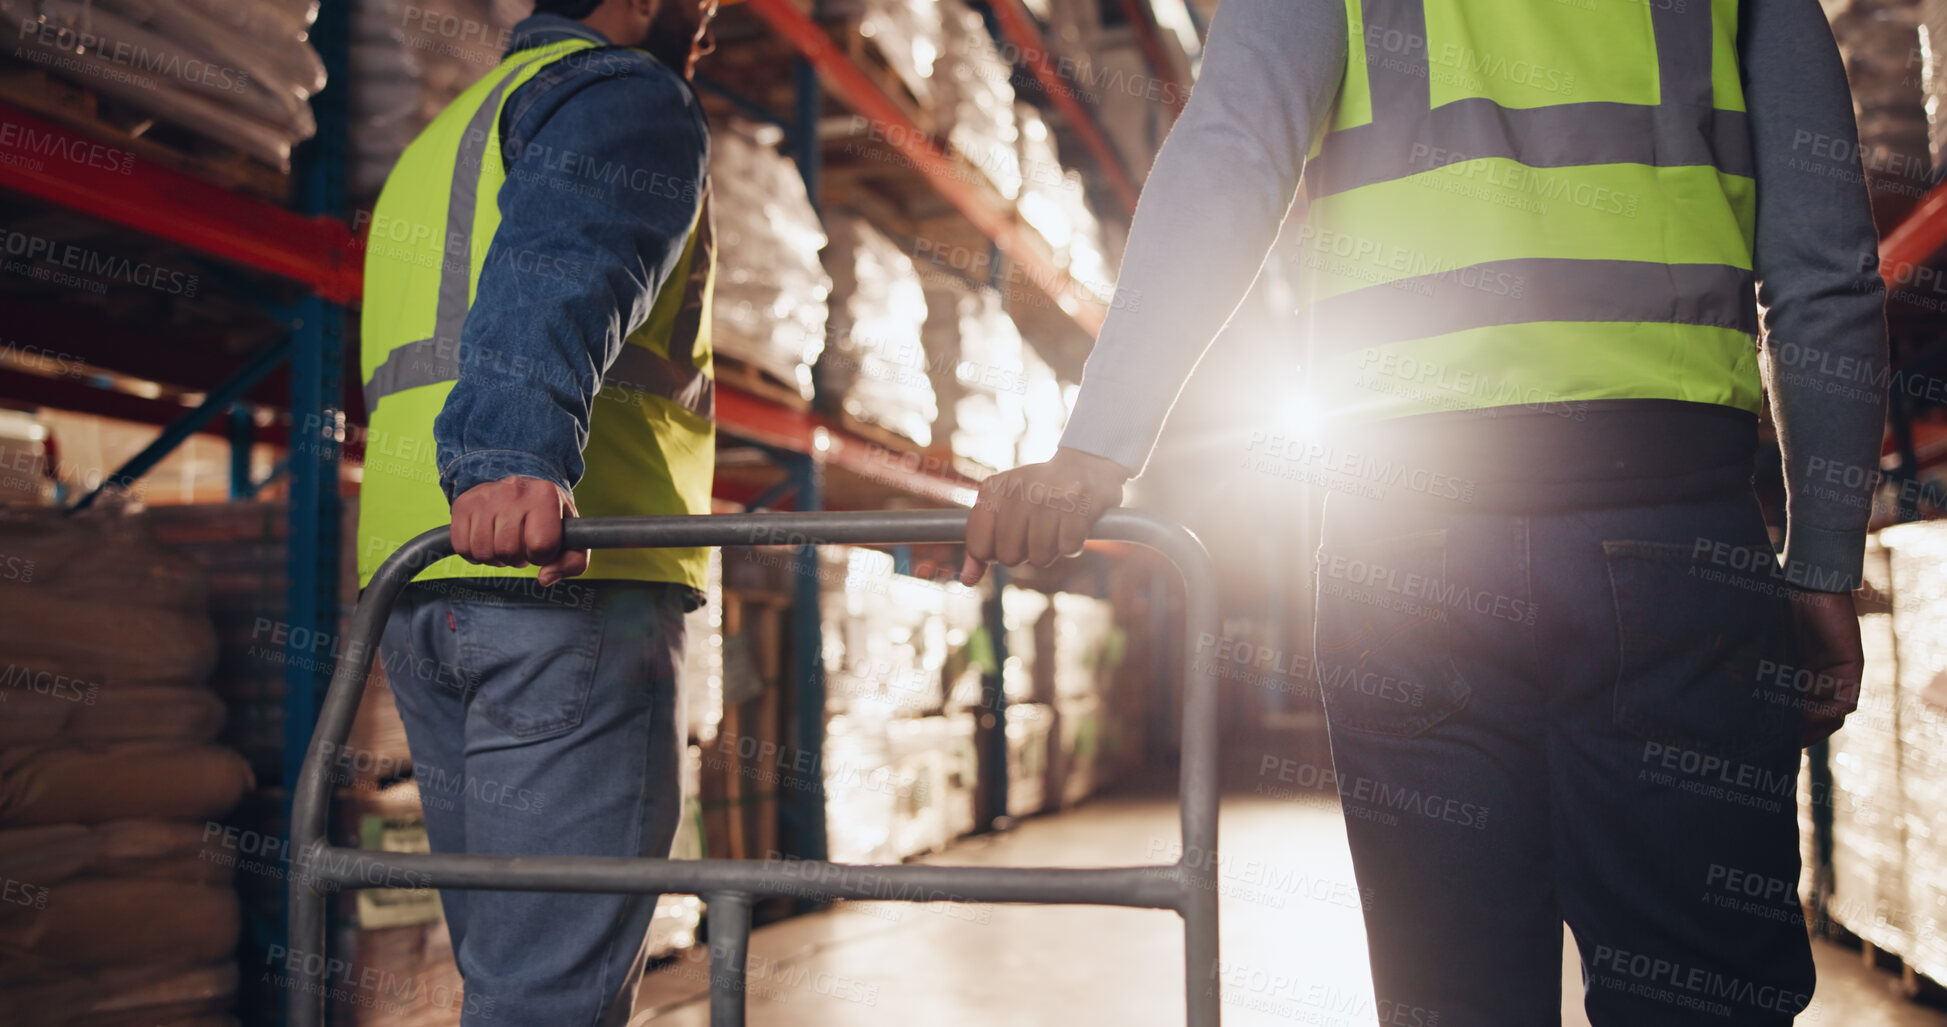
(771, 290)
(409, 60)
(874, 367)
(1868, 850)
(1919, 630)
(1030, 726)
(976, 369)
(1054, 201)
(861, 791)
(887, 637)
(905, 32)
(1026, 677)
(214, 67)
(974, 98)
(1084, 643)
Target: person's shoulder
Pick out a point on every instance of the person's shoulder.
(609, 83)
(620, 70)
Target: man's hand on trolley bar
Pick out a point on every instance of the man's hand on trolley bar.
(515, 522)
(1040, 513)
(1828, 646)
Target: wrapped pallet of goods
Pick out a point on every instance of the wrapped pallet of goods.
(904, 35)
(118, 870)
(873, 370)
(1087, 648)
(897, 783)
(1869, 854)
(976, 370)
(1918, 574)
(1055, 202)
(238, 72)
(974, 98)
(769, 308)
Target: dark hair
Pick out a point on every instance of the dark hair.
(576, 9)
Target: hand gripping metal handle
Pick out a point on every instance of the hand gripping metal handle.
(1187, 886)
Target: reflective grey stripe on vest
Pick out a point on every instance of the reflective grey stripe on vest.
(434, 360)
(1504, 292)
(1407, 135)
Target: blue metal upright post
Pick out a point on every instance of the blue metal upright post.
(317, 414)
(801, 809)
(991, 758)
(243, 435)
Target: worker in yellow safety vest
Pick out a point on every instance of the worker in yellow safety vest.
(536, 345)
(1566, 674)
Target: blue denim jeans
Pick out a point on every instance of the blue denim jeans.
(543, 722)
(1566, 716)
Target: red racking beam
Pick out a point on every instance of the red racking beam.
(1918, 238)
(137, 193)
(857, 90)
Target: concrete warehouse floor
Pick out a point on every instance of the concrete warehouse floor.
(1297, 947)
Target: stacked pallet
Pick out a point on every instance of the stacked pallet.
(899, 765)
(982, 392)
(1919, 629)
(769, 308)
(116, 905)
(974, 98)
(1868, 858)
(873, 372)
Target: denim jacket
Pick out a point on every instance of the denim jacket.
(606, 162)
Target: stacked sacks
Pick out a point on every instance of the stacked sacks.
(874, 369)
(236, 71)
(974, 98)
(976, 369)
(409, 59)
(117, 904)
(769, 307)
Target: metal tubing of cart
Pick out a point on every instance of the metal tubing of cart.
(1187, 886)
(729, 956)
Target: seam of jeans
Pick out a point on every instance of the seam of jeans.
(603, 987)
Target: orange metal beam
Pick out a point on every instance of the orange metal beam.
(53, 163)
(1918, 238)
(999, 223)
(1020, 28)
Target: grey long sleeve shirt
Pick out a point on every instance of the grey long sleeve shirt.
(1228, 173)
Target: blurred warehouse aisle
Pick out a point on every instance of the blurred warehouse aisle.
(1294, 945)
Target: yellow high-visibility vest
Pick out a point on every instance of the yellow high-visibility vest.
(1532, 203)
(652, 434)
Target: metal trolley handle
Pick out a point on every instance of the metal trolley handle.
(1186, 886)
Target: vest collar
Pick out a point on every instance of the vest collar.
(542, 29)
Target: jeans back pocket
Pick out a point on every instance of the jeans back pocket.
(1383, 641)
(531, 663)
(1701, 637)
